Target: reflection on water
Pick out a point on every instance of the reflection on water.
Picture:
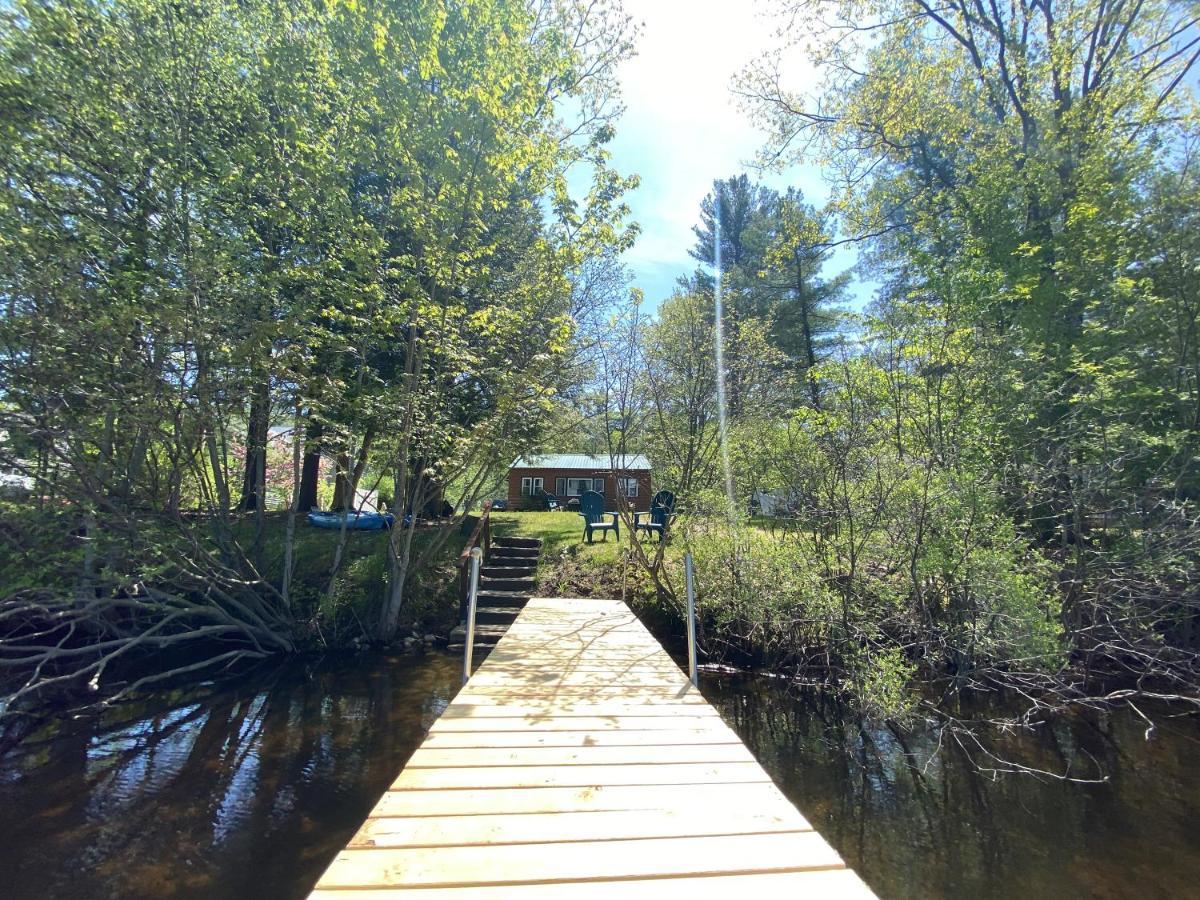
(249, 790)
(239, 791)
(916, 823)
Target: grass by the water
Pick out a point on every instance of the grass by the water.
(361, 577)
(569, 565)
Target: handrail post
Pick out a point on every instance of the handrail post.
(487, 528)
(689, 572)
(469, 648)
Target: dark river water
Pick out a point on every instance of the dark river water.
(249, 789)
(920, 814)
(238, 791)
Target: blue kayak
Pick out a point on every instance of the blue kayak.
(355, 521)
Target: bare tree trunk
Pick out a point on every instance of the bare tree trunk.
(398, 557)
(310, 468)
(810, 350)
(289, 541)
(343, 499)
(217, 463)
(360, 464)
(257, 431)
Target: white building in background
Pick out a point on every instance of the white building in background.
(766, 503)
(12, 482)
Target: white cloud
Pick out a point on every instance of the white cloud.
(682, 127)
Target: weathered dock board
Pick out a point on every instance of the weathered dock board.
(579, 762)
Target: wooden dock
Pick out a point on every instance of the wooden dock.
(579, 762)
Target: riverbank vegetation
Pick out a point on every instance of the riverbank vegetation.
(312, 230)
(988, 477)
(240, 238)
(1011, 445)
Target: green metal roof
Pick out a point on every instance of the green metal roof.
(583, 461)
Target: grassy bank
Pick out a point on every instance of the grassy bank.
(105, 607)
(571, 567)
(44, 553)
(347, 603)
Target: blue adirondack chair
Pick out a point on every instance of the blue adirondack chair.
(591, 507)
(658, 520)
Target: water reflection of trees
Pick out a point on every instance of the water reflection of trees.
(945, 808)
(231, 791)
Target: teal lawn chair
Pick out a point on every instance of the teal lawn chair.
(591, 507)
(662, 512)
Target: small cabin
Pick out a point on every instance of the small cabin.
(567, 475)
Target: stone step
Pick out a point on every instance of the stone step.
(480, 654)
(507, 572)
(484, 634)
(513, 553)
(526, 557)
(501, 551)
(512, 599)
(521, 542)
(507, 584)
(496, 615)
(527, 564)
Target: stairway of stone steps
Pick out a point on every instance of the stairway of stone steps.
(506, 582)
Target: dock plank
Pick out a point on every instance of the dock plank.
(697, 800)
(579, 761)
(699, 719)
(534, 828)
(637, 754)
(829, 884)
(627, 737)
(586, 861)
(580, 775)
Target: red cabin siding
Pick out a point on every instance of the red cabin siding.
(550, 477)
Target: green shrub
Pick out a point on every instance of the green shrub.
(927, 574)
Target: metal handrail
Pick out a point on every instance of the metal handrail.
(472, 606)
(689, 573)
(481, 535)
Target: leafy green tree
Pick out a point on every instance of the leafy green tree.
(806, 319)
(773, 250)
(218, 218)
(681, 380)
(1008, 163)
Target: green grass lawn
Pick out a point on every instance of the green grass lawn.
(569, 565)
(561, 531)
(558, 531)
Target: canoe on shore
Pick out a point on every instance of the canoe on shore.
(355, 521)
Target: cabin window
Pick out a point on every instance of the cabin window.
(574, 487)
(531, 487)
(629, 486)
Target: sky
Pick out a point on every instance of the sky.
(682, 128)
